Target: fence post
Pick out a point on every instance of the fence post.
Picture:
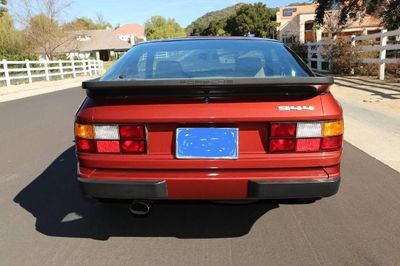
(28, 70)
(60, 65)
(73, 68)
(353, 44)
(309, 57)
(319, 57)
(353, 40)
(382, 55)
(85, 71)
(46, 70)
(89, 67)
(6, 73)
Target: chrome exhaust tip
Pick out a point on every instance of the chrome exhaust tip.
(140, 207)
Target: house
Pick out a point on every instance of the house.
(297, 24)
(131, 33)
(98, 44)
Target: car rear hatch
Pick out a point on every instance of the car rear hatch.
(163, 107)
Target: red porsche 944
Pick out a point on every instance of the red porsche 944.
(209, 119)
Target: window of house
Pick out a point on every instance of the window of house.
(309, 25)
(288, 12)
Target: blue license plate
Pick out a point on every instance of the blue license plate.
(207, 143)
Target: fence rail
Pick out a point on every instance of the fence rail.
(17, 72)
(318, 60)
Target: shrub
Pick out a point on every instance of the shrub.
(342, 57)
(366, 69)
(17, 57)
(393, 70)
(300, 49)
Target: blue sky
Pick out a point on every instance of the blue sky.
(128, 11)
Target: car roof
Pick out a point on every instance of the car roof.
(202, 38)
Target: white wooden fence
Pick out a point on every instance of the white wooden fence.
(17, 72)
(316, 52)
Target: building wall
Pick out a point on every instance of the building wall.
(302, 9)
(80, 55)
(131, 38)
(292, 21)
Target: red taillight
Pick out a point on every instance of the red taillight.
(282, 145)
(331, 143)
(312, 136)
(110, 138)
(283, 130)
(107, 146)
(131, 132)
(133, 146)
(85, 145)
(308, 145)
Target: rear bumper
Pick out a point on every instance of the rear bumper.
(256, 189)
(290, 190)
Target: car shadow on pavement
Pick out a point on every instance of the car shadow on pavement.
(56, 202)
(372, 90)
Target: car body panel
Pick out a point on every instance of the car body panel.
(255, 169)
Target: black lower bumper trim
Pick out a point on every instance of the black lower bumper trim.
(124, 190)
(292, 190)
(257, 189)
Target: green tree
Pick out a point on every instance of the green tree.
(46, 36)
(215, 28)
(212, 23)
(13, 45)
(9, 40)
(161, 28)
(255, 19)
(387, 10)
(84, 23)
(3, 8)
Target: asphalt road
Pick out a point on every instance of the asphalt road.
(44, 220)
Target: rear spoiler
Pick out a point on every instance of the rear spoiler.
(304, 86)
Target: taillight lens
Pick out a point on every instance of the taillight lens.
(308, 145)
(282, 145)
(84, 131)
(110, 138)
(283, 130)
(131, 132)
(314, 136)
(133, 146)
(108, 132)
(334, 128)
(85, 145)
(107, 146)
(331, 143)
(309, 130)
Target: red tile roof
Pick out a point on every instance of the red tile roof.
(130, 29)
(366, 21)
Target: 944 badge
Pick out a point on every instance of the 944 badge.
(296, 108)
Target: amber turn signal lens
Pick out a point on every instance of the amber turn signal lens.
(84, 131)
(334, 128)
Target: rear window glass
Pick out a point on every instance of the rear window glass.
(194, 59)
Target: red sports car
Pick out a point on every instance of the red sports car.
(209, 119)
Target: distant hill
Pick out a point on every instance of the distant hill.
(204, 21)
(299, 4)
